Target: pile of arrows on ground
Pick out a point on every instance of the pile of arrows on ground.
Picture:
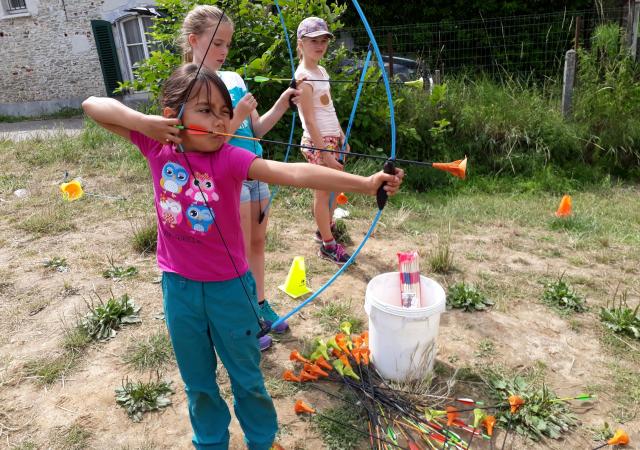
(399, 418)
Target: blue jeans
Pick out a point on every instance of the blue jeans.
(203, 317)
(254, 191)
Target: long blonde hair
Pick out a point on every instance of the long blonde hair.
(197, 21)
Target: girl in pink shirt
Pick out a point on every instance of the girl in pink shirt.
(209, 294)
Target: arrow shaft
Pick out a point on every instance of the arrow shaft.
(307, 147)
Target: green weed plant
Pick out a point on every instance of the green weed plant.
(103, 321)
(560, 295)
(540, 416)
(467, 297)
(138, 398)
(621, 319)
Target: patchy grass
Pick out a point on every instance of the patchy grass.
(275, 241)
(440, 258)
(486, 347)
(152, 353)
(333, 314)
(74, 437)
(75, 339)
(50, 369)
(335, 426)
(117, 273)
(49, 220)
(144, 237)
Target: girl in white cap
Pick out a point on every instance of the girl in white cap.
(321, 126)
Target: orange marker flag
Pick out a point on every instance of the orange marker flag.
(564, 209)
(457, 168)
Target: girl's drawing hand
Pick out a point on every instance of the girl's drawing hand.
(161, 129)
(393, 181)
(246, 105)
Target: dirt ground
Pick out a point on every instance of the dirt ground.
(507, 261)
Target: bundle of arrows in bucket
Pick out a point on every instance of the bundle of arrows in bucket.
(397, 417)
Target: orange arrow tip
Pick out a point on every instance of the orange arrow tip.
(619, 438)
(302, 408)
(457, 168)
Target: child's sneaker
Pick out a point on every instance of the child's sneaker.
(336, 254)
(264, 342)
(270, 317)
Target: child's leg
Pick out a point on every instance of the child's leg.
(257, 242)
(185, 315)
(233, 330)
(322, 214)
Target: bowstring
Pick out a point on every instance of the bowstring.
(197, 182)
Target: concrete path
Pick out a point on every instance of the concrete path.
(19, 131)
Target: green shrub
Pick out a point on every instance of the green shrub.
(467, 297)
(141, 397)
(560, 295)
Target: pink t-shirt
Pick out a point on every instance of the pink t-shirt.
(188, 240)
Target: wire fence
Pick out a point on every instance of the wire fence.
(531, 44)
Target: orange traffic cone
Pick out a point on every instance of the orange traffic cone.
(564, 209)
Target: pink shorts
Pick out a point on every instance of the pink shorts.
(314, 156)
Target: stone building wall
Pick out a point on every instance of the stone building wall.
(48, 58)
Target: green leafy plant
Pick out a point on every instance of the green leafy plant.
(118, 273)
(102, 321)
(138, 398)
(561, 295)
(341, 233)
(620, 318)
(541, 415)
(57, 263)
(467, 297)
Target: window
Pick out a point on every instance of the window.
(135, 41)
(15, 6)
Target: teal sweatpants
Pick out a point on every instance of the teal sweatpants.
(203, 317)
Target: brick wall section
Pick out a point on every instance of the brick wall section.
(50, 55)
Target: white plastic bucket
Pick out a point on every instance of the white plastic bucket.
(403, 340)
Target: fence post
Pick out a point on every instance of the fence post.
(568, 82)
(578, 32)
(436, 77)
(633, 47)
(390, 53)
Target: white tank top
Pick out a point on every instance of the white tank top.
(324, 112)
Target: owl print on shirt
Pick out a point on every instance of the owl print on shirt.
(177, 203)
